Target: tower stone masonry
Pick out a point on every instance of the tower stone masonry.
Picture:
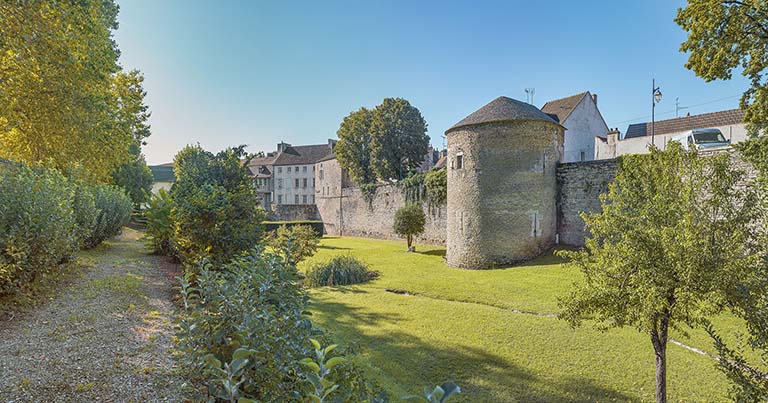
(502, 185)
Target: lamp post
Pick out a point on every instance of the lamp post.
(655, 99)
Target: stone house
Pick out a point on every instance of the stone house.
(293, 172)
(583, 122)
(638, 137)
(261, 171)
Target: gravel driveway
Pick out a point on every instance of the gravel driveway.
(105, 337)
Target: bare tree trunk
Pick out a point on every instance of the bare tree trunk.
(659, 341)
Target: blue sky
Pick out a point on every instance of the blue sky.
(225, 73)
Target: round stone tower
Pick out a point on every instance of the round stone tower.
(502, 186)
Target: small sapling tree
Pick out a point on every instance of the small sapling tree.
(673, 241)
(409, 221)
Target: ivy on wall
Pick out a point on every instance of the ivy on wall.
(431, 186)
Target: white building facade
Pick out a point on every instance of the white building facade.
(583, 122)
(293, 172)
(640, 136)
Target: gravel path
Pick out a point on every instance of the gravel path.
(106, 337)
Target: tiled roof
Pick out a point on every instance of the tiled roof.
(440, 164)
(260, 171)
(299, 155)
(705, 120)
(163, 173)
(561, 108)
(503, 109)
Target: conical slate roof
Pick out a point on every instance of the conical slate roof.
(503, 109)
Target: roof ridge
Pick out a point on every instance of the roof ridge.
(690, 116)
(569, 96)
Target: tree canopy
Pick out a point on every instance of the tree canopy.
(353, 150)
(673, 241)
(409, 221)
(385, 143)
(750, 302)
(62, 96)
(724, 35)
(399, 139)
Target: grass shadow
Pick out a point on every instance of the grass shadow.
(433, 252)
(410, 363)
(332, 247)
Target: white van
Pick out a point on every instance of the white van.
(702, 139)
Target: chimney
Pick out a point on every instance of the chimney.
(332, 143)
(687, 114)
(281, 146)
(613, 135)
(594, 98)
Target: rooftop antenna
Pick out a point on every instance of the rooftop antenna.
(678, 107)
(529, 92)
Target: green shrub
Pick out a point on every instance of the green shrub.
(295, 243)
(86, 213)
(243, 334)
(248, 309)
(159, 232)
(216, 212)
(409, 221)
(114, 211)
(38, 226)
(341, 270)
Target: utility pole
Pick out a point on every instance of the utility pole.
(678, 107)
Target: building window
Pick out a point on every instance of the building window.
(311, 199)
(321, 173)
(279, 199)
(280, 183)
(583, 156)
(297, 169)
(313, 168)
(313, 182)
(289, 169)
(304, 169)
(279, 170)
(296, 182)
(459, 161)
(304, 199)
(304, 182)
(296, 199)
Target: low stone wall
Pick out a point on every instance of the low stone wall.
(294, 212)
(352, 215)
(579, 187)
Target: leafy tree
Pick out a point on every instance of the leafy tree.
(409, 221)
(132, 116)
(216, 212)
(668, 248)
(724, 35)
(296, 243)
(136, 178)
(399, 139)
(353, 149)
(750, 302)
(57, 85)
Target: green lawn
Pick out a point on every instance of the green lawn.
(467, 326)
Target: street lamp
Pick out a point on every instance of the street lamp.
(656, 98)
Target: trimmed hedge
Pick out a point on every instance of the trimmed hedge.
(317, 226)
(45, 218)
